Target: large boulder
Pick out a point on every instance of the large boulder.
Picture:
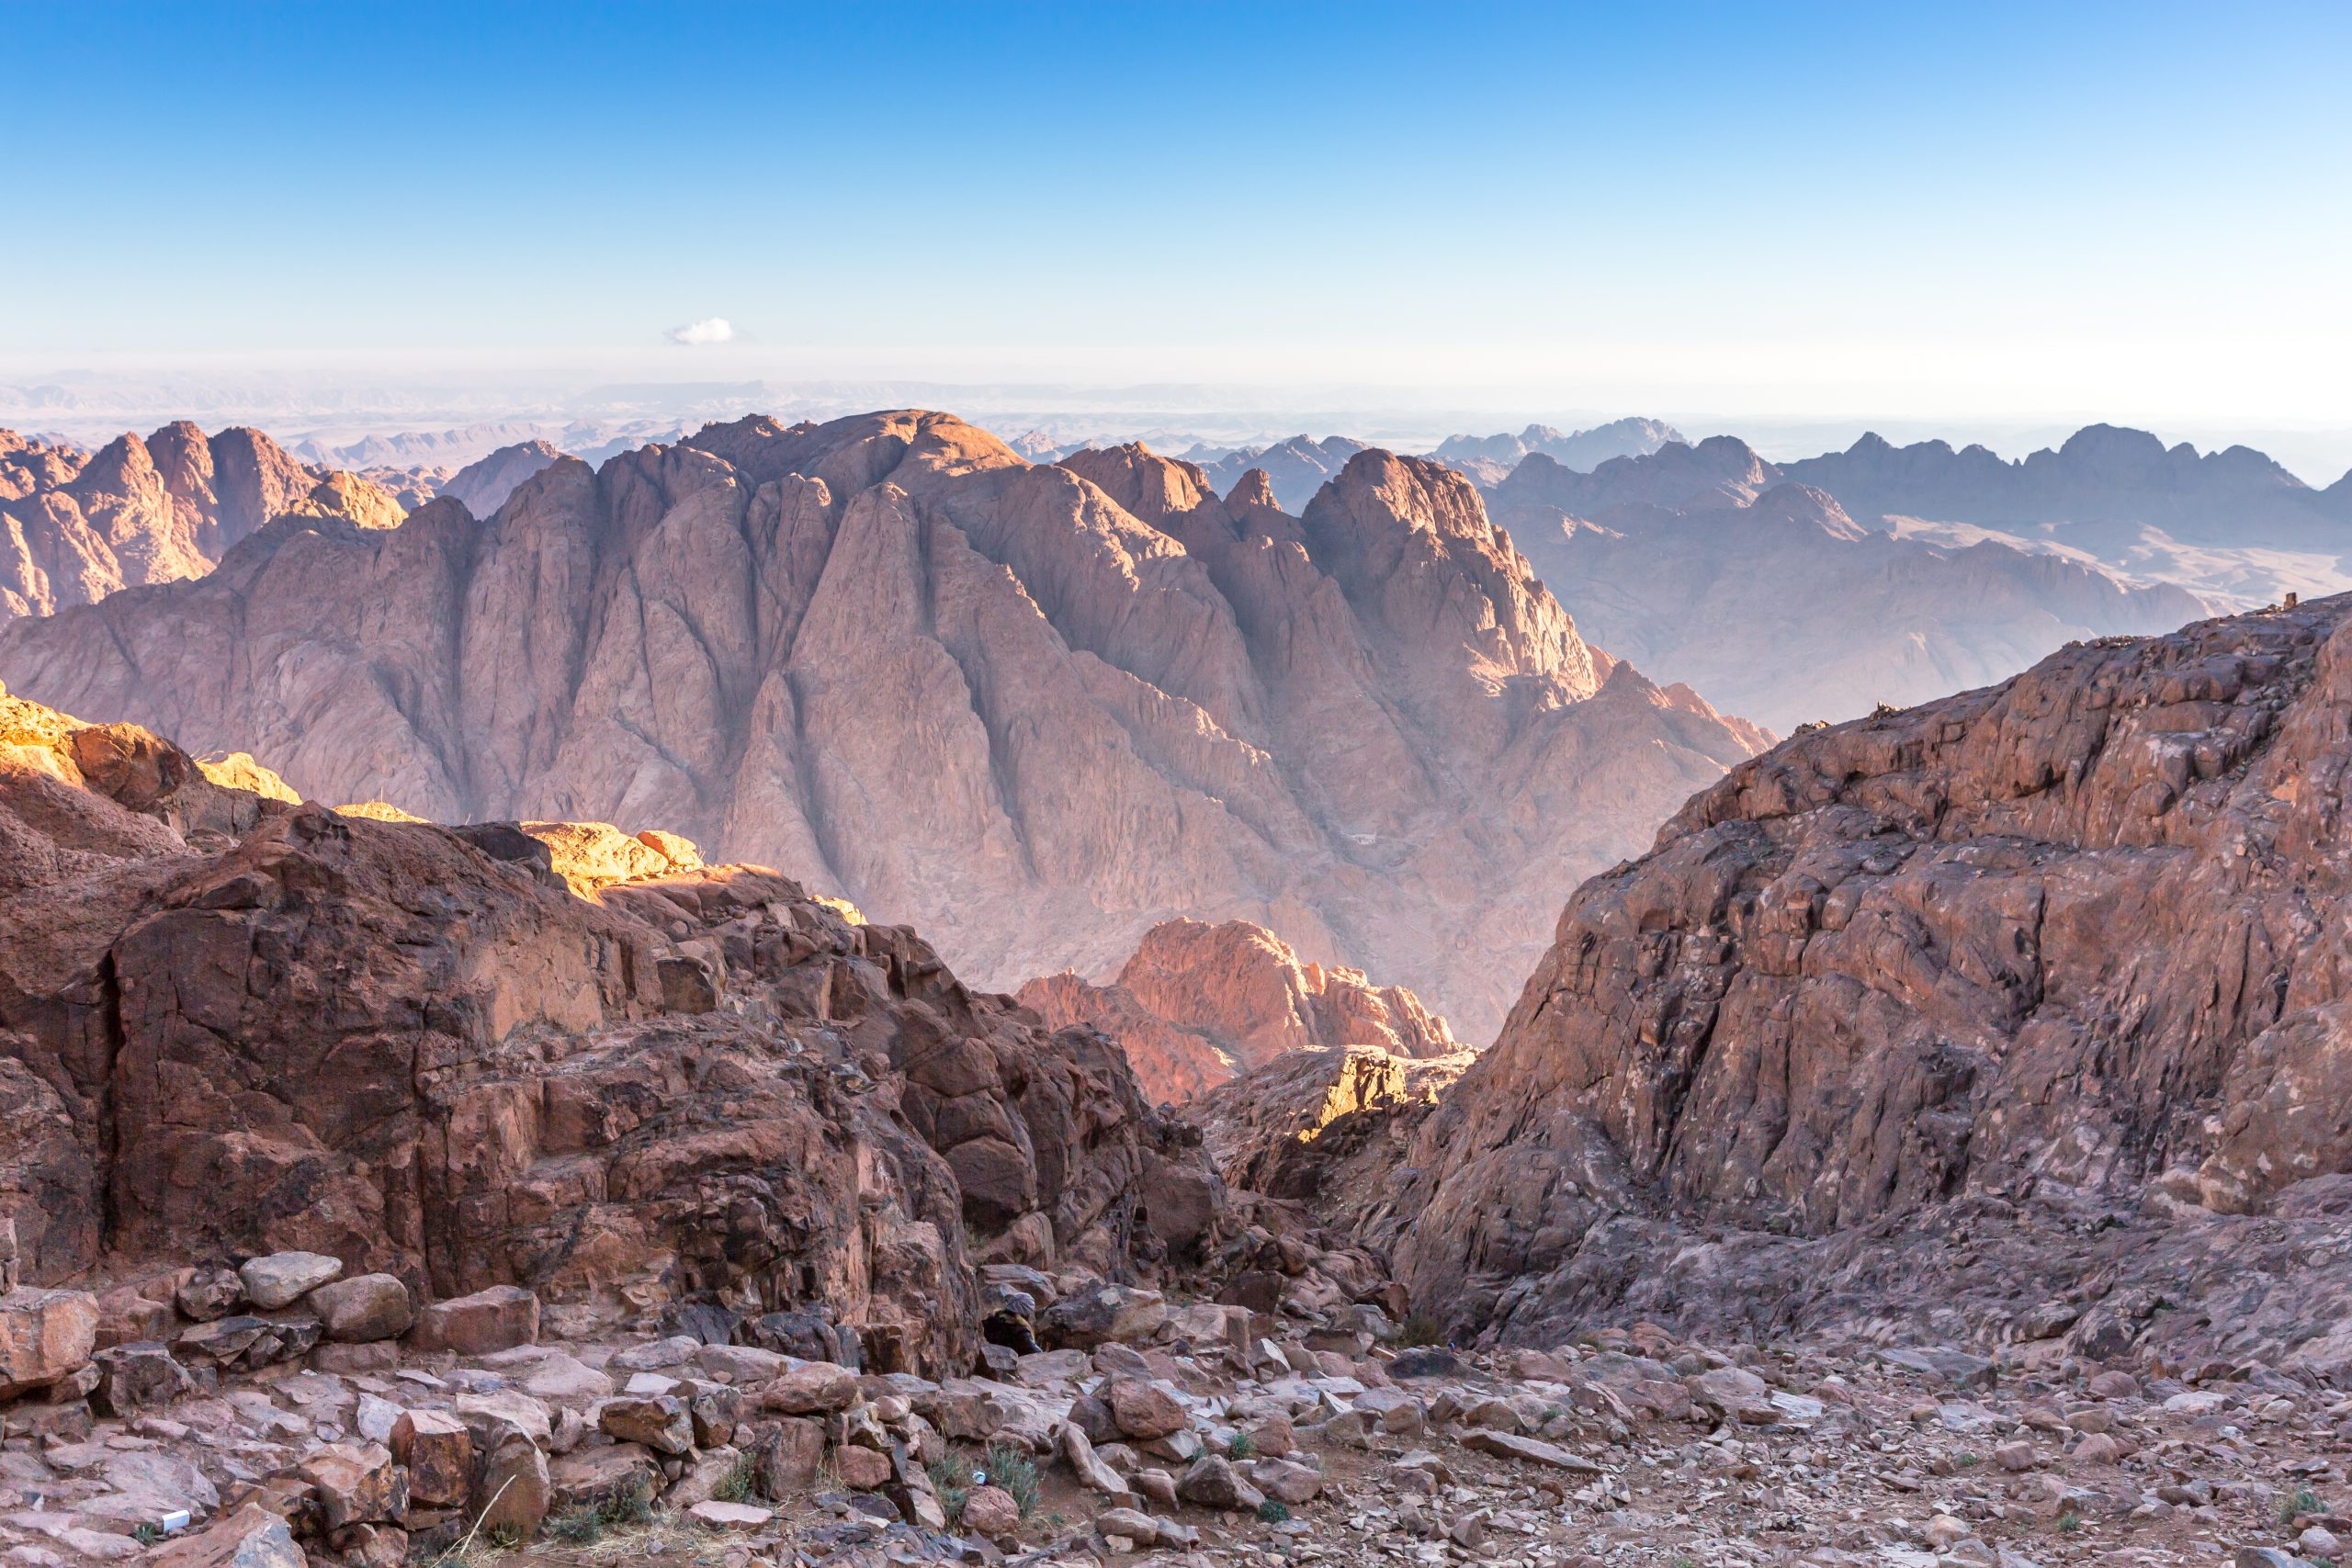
(46, 1336)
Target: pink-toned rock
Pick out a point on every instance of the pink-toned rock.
(810, 1389)
(1143, 1411)
(364, 1309)
(46, 1336)
(439, 1454)
(498, 1318)
(356, 1484)
(862, 1469)
(991, 1513)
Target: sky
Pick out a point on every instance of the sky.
(2139, 212)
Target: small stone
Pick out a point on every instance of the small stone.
(1533, 1451)
(512, 1491)
(2318, 1540)
(284, 1278)
(209, 1293)
(1078, 1452)
(138, 1377)
(787, 1457)
(1143, 1411)
(1286, 1481)
(720, 1516)
(2098, 1449)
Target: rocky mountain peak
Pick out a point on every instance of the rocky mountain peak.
(1201, 1003)
(1039, 708)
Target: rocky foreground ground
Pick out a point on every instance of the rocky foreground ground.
(343, 1425)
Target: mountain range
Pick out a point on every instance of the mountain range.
(76, 525)
(1036, 709)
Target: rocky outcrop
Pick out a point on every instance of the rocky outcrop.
(2025, 997)
(1778, 604)
(483, 485)
(1198, 1004)
(233, 1026)
(1327, 1128)
(75, 526)
(1034, 710)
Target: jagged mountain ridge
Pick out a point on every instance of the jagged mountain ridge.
(76, 525)
(2232, 526)
(1038, 709)
(1767, 595)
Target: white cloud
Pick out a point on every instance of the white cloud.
(699, 334)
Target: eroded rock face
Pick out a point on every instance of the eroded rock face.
(75, 526)
(414, 1052)
(2024, 966)
(1198, 1004)
(1034, 710)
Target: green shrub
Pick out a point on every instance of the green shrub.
(1241, 1448)
(741, 1483)
(1420, 1329)
(1271, 1512)
(1016, 1470)
(951, 1477)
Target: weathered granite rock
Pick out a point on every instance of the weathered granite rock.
(46, 1336)
(363, 1309)
(497, 1317)
(284, 1278)
(439, 1454)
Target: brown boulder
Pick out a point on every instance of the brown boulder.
(356, 1484)
(46, 1336)
(439, 1454)
(1143, 1411)
(364, 1308)
(499, 1318)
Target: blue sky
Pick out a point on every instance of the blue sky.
(2138, 211)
